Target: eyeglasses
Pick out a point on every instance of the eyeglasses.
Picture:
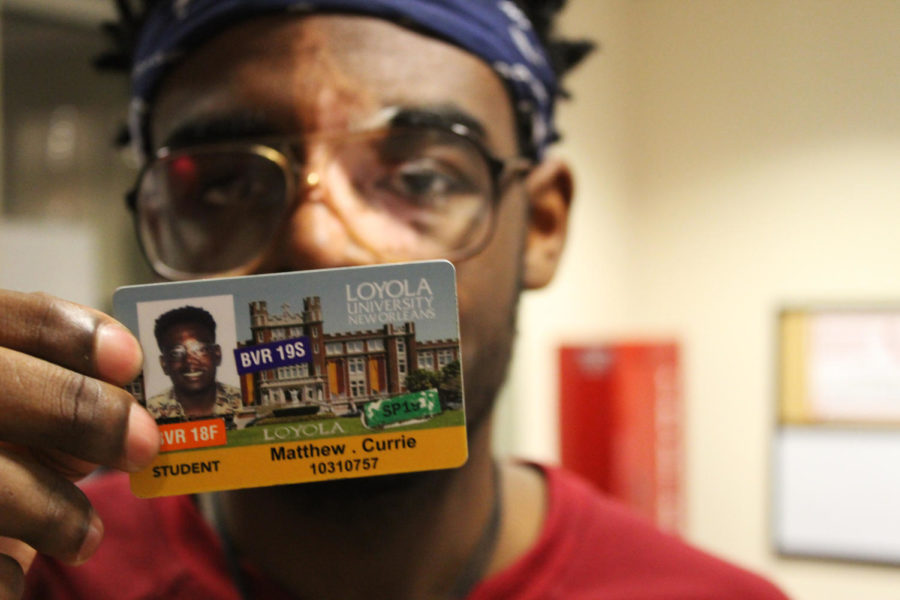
(192, 347)
(402, 192)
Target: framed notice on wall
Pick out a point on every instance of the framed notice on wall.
(836, 456)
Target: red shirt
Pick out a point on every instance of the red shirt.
(590, 548)
(593, 548)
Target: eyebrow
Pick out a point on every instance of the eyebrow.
(253, 124)
(443, 115)
(221, 128)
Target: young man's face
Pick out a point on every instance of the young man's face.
(327, 73)
(190, 357)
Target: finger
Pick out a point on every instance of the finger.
(70, 467)
(12, 578)
(46, 511)
(46, 406)
(69, 335)
(18, 550)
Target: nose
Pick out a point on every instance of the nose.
(192, 360)
(318, 233)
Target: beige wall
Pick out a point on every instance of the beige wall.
(733, 157)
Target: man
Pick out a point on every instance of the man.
(190, 356)
(304, 134)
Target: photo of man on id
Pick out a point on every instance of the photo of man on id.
(343, 201)
(190, 357)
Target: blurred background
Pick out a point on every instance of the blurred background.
(64, 228)
(732, 158)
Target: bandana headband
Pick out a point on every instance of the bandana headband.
(494, 30)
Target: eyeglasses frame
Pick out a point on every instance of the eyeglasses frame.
(501, 170)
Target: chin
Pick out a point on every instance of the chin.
(338, 493)
(197, 386)
(363, 487)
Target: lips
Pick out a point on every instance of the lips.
(194, 380)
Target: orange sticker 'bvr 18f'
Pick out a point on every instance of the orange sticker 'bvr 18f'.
(195, 434)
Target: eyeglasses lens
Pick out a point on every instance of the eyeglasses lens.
(420, 193)
(182, 351)
(207, 212)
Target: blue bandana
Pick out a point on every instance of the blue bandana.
(494, 30)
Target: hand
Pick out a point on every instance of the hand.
(61, 415)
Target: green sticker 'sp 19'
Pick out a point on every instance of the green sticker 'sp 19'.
(406, 408)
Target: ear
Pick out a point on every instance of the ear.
(217, 355)
(163, 364)
(550, 188)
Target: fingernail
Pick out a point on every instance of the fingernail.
(142, 439)
(91, 540)
(118, 353)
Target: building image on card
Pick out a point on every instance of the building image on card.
(339, 372)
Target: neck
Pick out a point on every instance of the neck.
(386, 537)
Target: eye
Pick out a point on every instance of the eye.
(219, 180)
(226, 189)
(425, 182)
(176, 354)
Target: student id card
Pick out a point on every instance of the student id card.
(298, 377)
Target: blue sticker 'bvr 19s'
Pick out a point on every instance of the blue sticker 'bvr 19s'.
(260, 357)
